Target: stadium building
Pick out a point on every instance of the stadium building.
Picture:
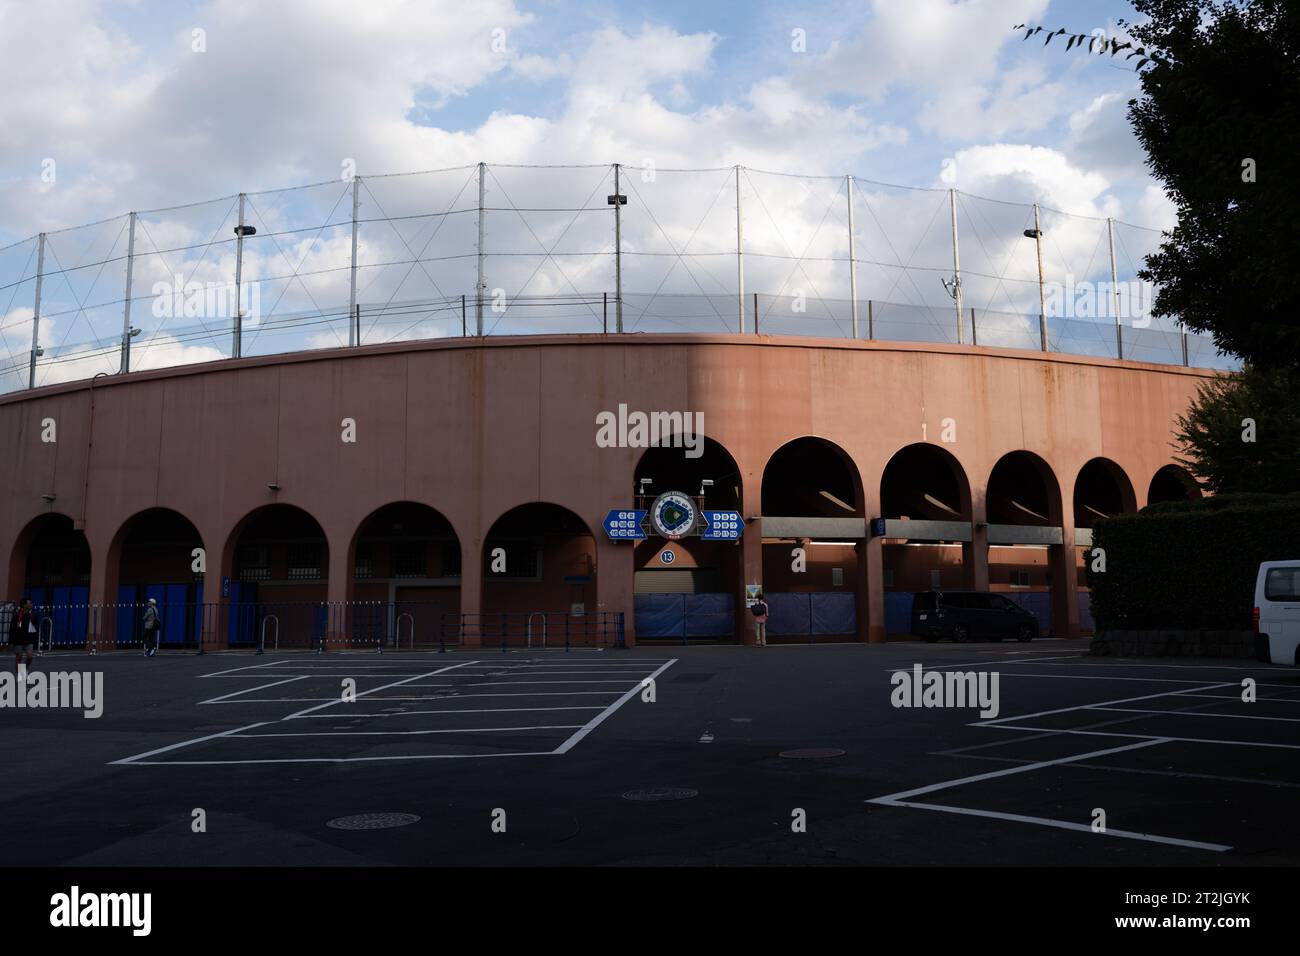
(438, 472)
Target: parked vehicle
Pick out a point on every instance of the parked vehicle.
(963, 615)
(1277, 612)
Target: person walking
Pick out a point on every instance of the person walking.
(759, 610)
(151, 625)
(23, 635)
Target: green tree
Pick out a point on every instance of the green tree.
(1219, 118)
(1242, 432)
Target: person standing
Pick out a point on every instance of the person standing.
(23, 635)
(151, 628)
(759, 610)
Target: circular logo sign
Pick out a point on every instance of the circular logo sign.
(673, 515)
(667, 556)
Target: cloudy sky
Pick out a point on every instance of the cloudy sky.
(118, 106)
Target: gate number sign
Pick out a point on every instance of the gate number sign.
(723, 526)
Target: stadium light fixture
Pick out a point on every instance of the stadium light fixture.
(245, 230)
(706, 483)
(1033, 233)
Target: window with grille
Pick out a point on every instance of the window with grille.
(254, 564)
(363, 563)
(451, 559)
(305, 562)
(410, 560)
(521, 559)
(1019, 578)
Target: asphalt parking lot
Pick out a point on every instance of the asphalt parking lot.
(554, 758)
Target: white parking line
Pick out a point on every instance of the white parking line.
(901, 799)
(1164, 737)
(492, 710)
(1065, 825)
(249, 690)
(234, 670)
(375, 690)
(604, 715)
(139, 758)
(407, 733)
(1195, 713)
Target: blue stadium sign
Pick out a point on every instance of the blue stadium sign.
(625, 525)
(722, 526)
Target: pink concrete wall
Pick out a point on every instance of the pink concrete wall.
(474, 428)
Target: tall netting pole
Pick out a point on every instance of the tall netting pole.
(740, 258)
(1042, 298)
(236, 343)
(956, 266)
(481, 287)
(1114, 289)
(36, 311)
(618, 253)
(353, 325)
(126, 307)
(853, 265)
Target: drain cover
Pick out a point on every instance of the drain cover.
(661, 793)
(372, 821)
(812, 753)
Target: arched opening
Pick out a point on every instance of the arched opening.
(1100, 491)
(685, 588)
(278, 586)
(1024, 512)
(539, 579)
(50, 564)
(925, 501)
(406, 577)
(157, 553)
(810, 573)
(1172, 483)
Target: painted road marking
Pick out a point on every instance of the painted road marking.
(605, 714)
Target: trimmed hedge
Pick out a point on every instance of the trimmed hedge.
(1190, 565)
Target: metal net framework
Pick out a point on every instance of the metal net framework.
(492, 249)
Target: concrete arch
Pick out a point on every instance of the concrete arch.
(403, 565)
(51, 523)
(1101, 489)
(839, 495)
(1172, 483)
(1010, 497)
(537, 558)
(947, 492)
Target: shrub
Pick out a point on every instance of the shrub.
(1190, 565)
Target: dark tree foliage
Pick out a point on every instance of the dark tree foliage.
(1213, 433)
(1220, 107)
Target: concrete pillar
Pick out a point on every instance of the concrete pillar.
(101, 623)
(214, 632)
(615, 577)
(1061, 561)
(338, 590)
(751, 572)
(471, 591)
(873, 568)
(975, 552)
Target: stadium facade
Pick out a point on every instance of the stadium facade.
(461, 484)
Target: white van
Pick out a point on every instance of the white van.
(1277, 612)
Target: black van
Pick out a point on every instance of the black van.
(963, 615)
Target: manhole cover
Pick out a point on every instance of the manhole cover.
(812, 753)
(372, 821)
(662, 793)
